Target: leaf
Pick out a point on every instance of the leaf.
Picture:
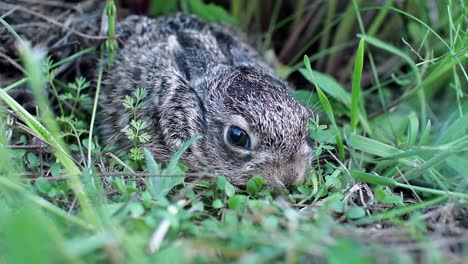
(119, 184)
(386, 198)
(32, 159)
(337, 206)
(55, 169)
(145, 137)
(66, 96)
(355, 213)
(140, 93)
(82, 83)
(136, 154)
(43, 185)
(220, 182)
(237, 202)
(175, 159)
(136, 210)
(52, 193)
(153, 168)
(251, 188)
(146, 199)
(373, 146)
(129, 133)
(259, 180)
(128, 102)
(131, 186)
(255, 184)
(84, 244)
(138, 125)
(171, 176)
(85, 143)
(332, 181)
(229, 189)
(304, 190)
(218, 204)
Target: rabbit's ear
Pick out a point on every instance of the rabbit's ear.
(181, 112)
(194, 53)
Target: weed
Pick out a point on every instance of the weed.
(135, 132)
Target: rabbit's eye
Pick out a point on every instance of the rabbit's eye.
(238, 137)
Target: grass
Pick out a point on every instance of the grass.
(388, 85)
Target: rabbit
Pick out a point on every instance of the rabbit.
(204, 79)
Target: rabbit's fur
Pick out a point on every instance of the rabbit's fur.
(201, 78)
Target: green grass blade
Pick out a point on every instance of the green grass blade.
(330, 86)
(432, 191)
(378, 148)
(13, 32)
(384, 181)
(328, 109)
(356, 94)
(373, 179)
(380, 18)
(95, 106)
(413, 129)
(393, 214)
(153, 166)
(372, 146)
(16, 84)
(162, 183)
(175, 159)
(73, 57)
(40, 131)
(32, 61)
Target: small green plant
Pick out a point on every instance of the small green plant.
(71, 98)
(319, 133)
(74, 92)
(135, 130)
(50, 72)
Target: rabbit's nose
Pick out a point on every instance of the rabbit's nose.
(288, 179)
(284, 179)
(281, 175)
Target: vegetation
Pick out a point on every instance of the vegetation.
(388, 86)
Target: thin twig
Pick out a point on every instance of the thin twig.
(54, 22)
(12, 62)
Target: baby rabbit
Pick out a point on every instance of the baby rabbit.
(203, 79)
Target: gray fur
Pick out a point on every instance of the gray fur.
(201, 78)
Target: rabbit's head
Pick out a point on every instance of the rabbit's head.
(250, 125)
